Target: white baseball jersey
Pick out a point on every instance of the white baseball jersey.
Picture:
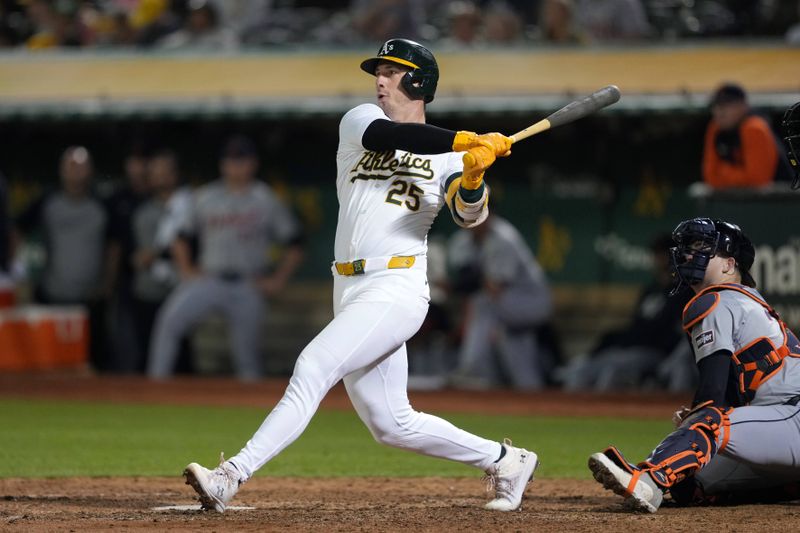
(387, 200)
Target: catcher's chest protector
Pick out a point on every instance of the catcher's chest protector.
(760, 359)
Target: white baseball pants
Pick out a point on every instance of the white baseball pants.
(374, 315)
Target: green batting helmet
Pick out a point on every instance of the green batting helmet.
(419, 82)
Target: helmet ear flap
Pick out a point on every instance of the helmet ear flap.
(416, 84)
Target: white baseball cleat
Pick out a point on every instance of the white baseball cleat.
(510, 476)
(214, 487)
(637, 487)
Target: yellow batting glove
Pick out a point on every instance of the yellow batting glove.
(464, 141)
(476, 161)
(496, 142)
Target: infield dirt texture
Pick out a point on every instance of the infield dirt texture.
(346, 504)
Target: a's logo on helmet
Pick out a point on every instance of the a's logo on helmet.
(387, 47)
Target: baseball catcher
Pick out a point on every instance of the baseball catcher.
(742, 431)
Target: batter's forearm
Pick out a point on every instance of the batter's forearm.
(469, 207)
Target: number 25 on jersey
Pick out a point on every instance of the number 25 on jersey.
(402, 188)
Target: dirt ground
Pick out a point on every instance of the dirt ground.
(346, 504)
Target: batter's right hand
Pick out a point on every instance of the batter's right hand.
(496, 142)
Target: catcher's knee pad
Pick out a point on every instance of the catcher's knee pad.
(689, 448)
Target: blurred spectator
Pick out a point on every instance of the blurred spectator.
(793, 33)
(379, 20)
(53, 24)
(121, 205)
(156, 225)
(116, 30)
(153, 20)
(74, 228)
(630, 357)
(239, 16)
(501, 25)
(740, 148)
(557, 22)
(464, 24)
(612, 20)
(201, 31)
(510, 300)
(226, 23)
(235, 221)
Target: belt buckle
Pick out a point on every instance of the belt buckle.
(358, 266)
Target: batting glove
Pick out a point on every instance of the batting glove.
(496, 142)
(476, 161)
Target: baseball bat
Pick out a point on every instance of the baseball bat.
(572, 112)
(569, 113)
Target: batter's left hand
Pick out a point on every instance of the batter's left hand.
(476, 161)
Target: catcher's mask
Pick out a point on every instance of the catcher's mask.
(421, 81)
(791, 136)
(698, 240)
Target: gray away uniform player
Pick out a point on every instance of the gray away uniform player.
(235, 220)
(394, 174)
(741, 435)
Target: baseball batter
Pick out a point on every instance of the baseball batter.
(394, 174)
(742, 432)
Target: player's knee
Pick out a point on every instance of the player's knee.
(689, 448)
(392, 430)
(393, 436)
(317, 366)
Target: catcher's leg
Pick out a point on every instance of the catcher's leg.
(689, 448)
(682, 453)
(728, 481)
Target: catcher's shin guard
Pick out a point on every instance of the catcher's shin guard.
(690, 447)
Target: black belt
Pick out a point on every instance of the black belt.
(792, 401)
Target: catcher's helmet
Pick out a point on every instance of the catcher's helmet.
(791, 135)
(419, 82)
(702, 239)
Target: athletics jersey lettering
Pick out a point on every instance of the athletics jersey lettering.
(408, 165)
(388, 200)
